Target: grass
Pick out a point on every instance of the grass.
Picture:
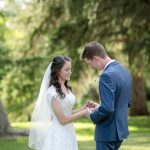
(139, 138)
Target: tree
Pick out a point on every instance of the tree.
(136, 45)
(120, 22)
(67, 25)
(21, 67)
(5, 127)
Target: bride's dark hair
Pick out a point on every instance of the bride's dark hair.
(57, 64)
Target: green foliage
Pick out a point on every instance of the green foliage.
(35, 31)
(21, 85)
(124, 23)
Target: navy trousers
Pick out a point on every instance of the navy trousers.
(114, 145)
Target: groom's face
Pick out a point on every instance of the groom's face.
(95, 63)
(91, 63)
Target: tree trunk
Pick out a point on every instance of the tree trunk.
(139, 100)
(5, 127)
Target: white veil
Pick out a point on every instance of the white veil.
(42, 115)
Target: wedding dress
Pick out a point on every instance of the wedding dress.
(60, 137)
(46, 132)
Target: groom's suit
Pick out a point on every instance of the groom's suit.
(111, 117)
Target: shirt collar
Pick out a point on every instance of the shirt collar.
(109, 63)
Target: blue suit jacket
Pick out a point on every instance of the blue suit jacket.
(111, 117)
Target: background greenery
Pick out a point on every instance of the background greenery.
(32, 32)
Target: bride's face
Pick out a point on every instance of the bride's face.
(65, 71)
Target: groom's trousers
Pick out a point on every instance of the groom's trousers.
(114, 145)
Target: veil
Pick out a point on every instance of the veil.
(42, 115)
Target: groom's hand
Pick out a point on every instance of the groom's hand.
(90, 104)
(89, 111)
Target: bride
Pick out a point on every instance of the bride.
(51, 124)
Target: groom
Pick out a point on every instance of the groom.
(115, 90)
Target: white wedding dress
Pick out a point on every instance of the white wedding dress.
(60, 137)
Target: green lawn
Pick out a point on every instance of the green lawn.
(139, 138)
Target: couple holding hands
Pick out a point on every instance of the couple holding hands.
(52, 119)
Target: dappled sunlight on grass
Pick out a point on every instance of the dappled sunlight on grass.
(85, 137)
(139, 138)
(22, 125)
(86, 125)
(133, 128)
(134, 147)
(14, 143)
(137, 141)
(138, 129)
(140, 121)
(86, 145)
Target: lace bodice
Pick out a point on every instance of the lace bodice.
(66, 103)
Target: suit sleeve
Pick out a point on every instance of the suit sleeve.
(107, 94)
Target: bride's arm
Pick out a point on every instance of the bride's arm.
(65, 119)
(83, 107)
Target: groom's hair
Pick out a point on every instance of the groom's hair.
(93, 49)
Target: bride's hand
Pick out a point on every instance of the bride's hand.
(87, 104)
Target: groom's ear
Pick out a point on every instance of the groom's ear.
(96, 58)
